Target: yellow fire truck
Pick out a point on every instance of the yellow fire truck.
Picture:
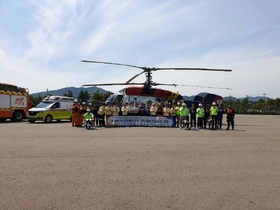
(14, 102)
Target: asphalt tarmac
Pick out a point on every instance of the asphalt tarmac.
(57, 166)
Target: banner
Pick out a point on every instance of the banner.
(140, 121)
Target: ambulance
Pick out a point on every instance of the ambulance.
(52, 108)
(14, 102)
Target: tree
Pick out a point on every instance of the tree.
(98, 98)
(36, 100)
(245, 104)
(69, 93)
(83, 96)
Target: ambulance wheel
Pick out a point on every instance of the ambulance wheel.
(48, 119)
(17, 116)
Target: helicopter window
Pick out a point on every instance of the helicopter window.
(115, 98)
(111, 98)
(119, 99)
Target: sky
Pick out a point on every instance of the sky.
(43, 42)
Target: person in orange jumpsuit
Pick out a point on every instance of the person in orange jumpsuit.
(75, 112)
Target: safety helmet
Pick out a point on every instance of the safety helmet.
(88, 110)
(199, 104)
(75, 100)
(84, 103)
(178, 103)
(183, 104)
(214, 103)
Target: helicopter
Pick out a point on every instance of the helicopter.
(145, 92)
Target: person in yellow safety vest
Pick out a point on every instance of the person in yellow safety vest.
(177, 108)
(184, 113)
(200, 115)
(88, 116)
(214, 116)
(153, 109)
(125, 109)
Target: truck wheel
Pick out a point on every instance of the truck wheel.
(17, 116)
(48, 119)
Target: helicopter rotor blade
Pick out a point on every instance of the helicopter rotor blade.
(132, 78)
(110, 63)
(195, 69)
(175, 85)
(111, 84)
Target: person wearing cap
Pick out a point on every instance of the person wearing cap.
(109, 109)
(115, 110)
(160, 110)
(125, 109)
(214, 116)
(200, 115)
(167, 110)
(153, 109)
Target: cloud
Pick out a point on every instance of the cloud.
(46, 53)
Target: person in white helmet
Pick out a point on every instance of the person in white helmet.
(177, 108)
(200, 116)
(88, 116)
(184, 115)
(214, 116)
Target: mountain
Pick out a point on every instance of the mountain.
(76, 91)
(92, 90)
(251, 99)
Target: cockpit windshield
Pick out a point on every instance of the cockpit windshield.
(115, 98)
(111, 98)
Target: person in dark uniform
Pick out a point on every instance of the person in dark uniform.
(95, 113)
(206, 116)
(230, 111)
(193, 115)
(221, 112)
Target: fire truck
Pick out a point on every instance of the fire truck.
(14, 102)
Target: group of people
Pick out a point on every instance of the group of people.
(208, 117)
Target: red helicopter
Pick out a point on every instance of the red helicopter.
(143, 92)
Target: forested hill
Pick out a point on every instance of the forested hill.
(74, 90)
(92, 90)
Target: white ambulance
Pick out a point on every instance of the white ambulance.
(51, 108)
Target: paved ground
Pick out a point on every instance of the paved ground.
(55, 166)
